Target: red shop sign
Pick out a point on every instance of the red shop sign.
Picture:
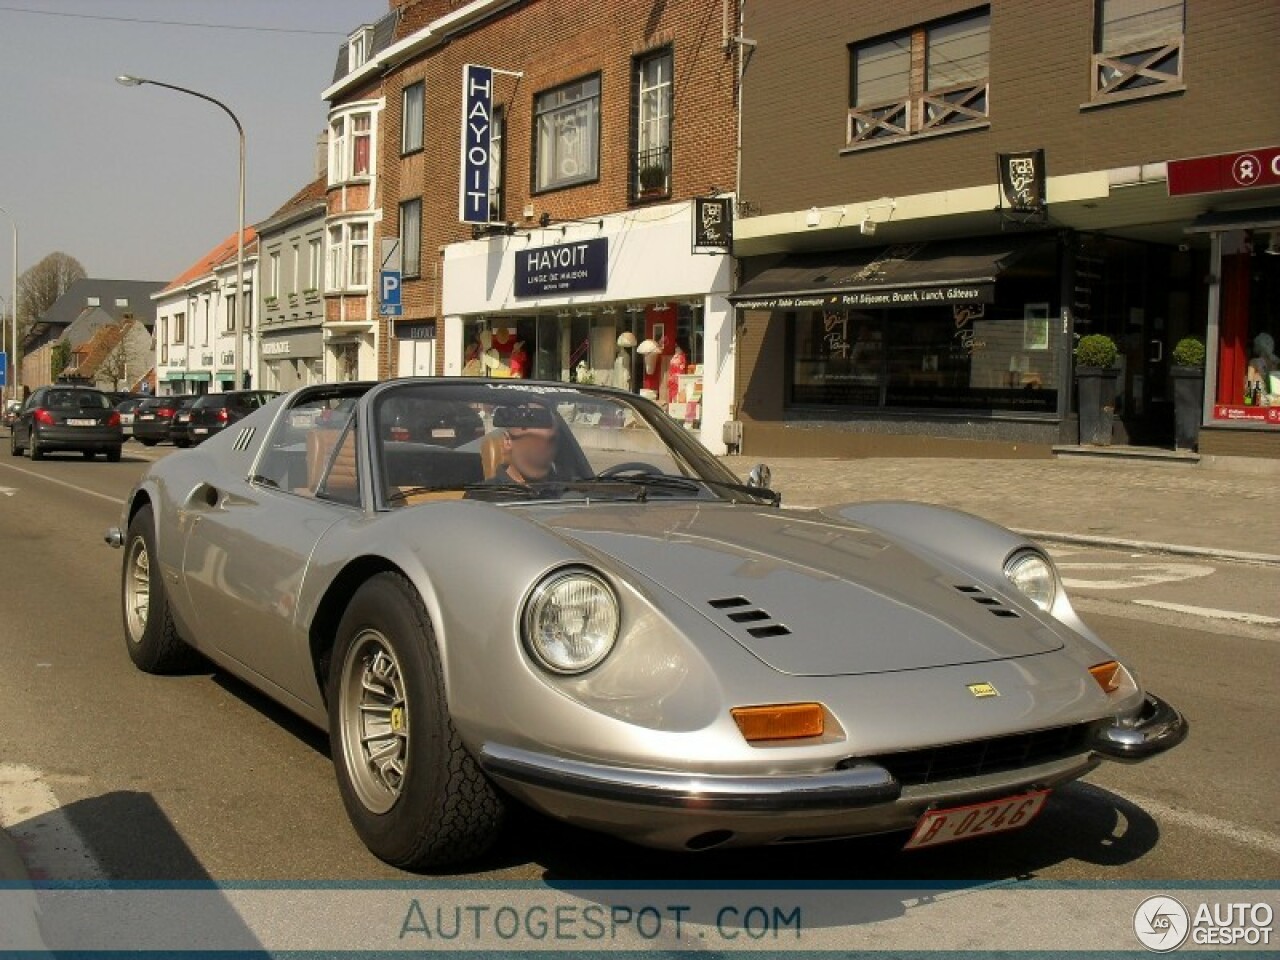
(1225, 411)
(1226, 171)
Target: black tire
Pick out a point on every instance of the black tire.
(152, 639)
(15, 448)
(33, 447)
(445, 810)
(113, 455)
(182, 444)
(87, 454)
(146, 443)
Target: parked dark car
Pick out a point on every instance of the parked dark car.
(214, 412)
(11, 409)
(180, 425)
(127, 408)
(152, 417)
(67, 418)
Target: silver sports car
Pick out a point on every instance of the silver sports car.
(491, 591)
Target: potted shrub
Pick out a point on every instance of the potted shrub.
(1096, 376)
(653, 180)
(1187, 372)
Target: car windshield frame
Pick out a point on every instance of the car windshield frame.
(698, 474)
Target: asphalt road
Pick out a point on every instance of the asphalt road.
(197, 777)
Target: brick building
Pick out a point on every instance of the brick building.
(899, 289)
(606, 122)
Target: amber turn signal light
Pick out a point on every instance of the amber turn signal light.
(779, 721)
(1108, 675)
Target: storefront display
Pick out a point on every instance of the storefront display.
(1247, 389)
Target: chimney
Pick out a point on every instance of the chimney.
(322, 153)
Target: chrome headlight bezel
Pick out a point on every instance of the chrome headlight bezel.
(537, 604)
(1027, 567)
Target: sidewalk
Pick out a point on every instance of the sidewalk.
(1192, 509)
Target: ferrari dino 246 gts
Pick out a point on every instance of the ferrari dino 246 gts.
(498, 591)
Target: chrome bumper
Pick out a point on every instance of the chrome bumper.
(1157, 727)
(863, 785)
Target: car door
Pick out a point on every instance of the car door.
(246, 551)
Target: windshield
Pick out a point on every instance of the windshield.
(509, 442)
(77, 400)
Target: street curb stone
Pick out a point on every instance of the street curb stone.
(1149, 546)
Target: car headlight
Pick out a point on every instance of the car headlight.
(1032, 573)
(571, 621)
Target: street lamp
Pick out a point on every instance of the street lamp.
(131, 81)
(13, 311)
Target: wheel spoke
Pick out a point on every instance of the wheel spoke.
(376, 719)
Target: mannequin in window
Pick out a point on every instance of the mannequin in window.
(519, 360)
(650, 354)
(679, 364)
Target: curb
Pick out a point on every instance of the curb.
(12, 867)
(1148, 546)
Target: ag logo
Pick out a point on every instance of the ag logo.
(1161, 924)
(1246, 169)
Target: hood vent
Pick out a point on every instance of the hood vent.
(979, 596)
(741, 610)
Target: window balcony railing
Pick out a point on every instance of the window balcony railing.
(1141, 71)
(652, 173)
(947, 108)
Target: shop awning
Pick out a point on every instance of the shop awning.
(174, 376)
(904, 275)
(1259, 218)
(197, 376)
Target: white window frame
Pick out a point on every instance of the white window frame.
(653, 132)
(346, 255)
(179, 328)
(359, 46)
(231, 308)
(315, 263)
(343, 142)
(273, 274)
(337, 149)
(296, 249)
(551, 119)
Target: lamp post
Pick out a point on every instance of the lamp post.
(241, 320)
(14, 390)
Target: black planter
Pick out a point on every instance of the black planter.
(1188, 406)
(1097, 393)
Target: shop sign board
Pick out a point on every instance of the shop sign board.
(896, 297)
(1225, 171)
(389, 278)
(712, 224)
(415, 330)
(477, 133)
(563, 268)
(1241, 414)
(4, 369)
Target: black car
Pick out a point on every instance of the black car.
(127, 408)
(64, 417)
(152, 417)
(214, 412)
(180, 425)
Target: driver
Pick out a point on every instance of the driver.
(529, 454)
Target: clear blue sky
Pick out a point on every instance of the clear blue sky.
(138, 182)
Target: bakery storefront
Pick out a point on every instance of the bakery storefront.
(619, 301)
(878, 340)
(292, 358)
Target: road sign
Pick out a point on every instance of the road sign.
(4, 369)
(389, 283)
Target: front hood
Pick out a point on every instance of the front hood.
(807, 595)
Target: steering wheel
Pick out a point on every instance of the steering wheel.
(631, 466)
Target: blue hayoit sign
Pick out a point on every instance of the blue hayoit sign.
(477, 146)
(563, 268)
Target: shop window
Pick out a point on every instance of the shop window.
(567, 135)
(411, 236)
(989, 358)
(931, 79)
(651, 126)
(1138, 48)
(411, 118)
(1248, 374)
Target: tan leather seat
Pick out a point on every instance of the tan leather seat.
(342, 475)
(493, 453)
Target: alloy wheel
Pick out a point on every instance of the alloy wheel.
(137, 589)
(374, 716)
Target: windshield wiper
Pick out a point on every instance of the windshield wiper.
(518, 489)
(673, 482)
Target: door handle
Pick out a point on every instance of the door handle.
(1159, 345)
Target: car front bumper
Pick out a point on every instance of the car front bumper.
(685, 810)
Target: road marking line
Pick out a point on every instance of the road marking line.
(63, 483)
(1256, 619)
(1138, 574)
(50, 845)
(1203, 822)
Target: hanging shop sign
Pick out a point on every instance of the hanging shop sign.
(477, 146)
(563, 268)
(712, 224)
(1022, 177)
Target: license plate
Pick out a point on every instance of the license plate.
(199, 429)
(76, 422)
(977, 820)
(147, 416)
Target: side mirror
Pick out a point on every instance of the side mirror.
(760, 476)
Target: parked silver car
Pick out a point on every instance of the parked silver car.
(491, 591)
